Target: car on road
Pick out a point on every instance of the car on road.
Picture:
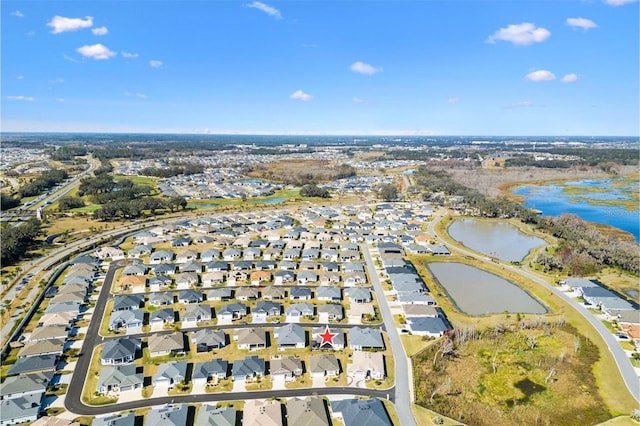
(622, 336)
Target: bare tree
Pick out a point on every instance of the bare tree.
(442, 388)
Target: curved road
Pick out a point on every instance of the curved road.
(73, 400)
(628, 373)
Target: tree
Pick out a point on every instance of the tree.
(389, 192)
(68, 203)
(311, 190)
(8, 202)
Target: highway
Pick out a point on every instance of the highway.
(73, 400)
(628, 373)
(403, 385)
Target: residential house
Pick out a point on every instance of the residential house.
(286, 368)
(263, 412)
(115, 420)
(265, 310)
(161, 318)
(218, 294)
(298, 311)
(366, 365)
(359, 295)
(281, 277)
(330, 312)
(206, 339)
(120, 351)
(300, 293)
(187, 256)
(164, 269)
(210, 371)
(427, 326)
(170, 374)
(358, 412)
(218, 266)
(210, 254)
(59, 331)
(213, 278)
(232, 311)
(273, 293)
(290, 336)
(20, 410)
(190, 296)
(168, 415)
(324, 365)
(181, 242)
(209, 415)
(127, 320)
(249, 368)
(161, 298)
(247, 293)
(250, 338)
(25, 385)
(338, 342)
(259, 277)
(186, 280)
(44, 347)
(136, 269)
(128, 302)
(34, 364)
(365, 338)
(309, 411)
(121, 378)
(161, 256)
(165, 344)
(192, 266)
(194, 314)
(329, 293)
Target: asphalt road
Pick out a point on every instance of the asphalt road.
(73, 400)
(403, 396)
(628, 373)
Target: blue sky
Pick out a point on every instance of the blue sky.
(447, 67)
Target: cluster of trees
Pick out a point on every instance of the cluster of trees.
(582, 249)
(43, 182)
(67, 153)
(532, 162)
(388, 192)
(17, 240)
(311, 190)
(68, 203)
(131, 209)
(8, 202)
(175, 169)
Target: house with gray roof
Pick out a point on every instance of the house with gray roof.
(161, 256)
(128, 419)
(290, 336)
(170, 374)
(214, 370)
(309, 411)
(164, 269)
(128, 302)
(247, 293)
(324, 365)
(264, 310)
(358, 412)
(185, 280)
(300, 293)
(209, 415)
(218, 266)
(120, 351)
(161, 298)
(158, 319)
(206, 339)
(286, 368)
(59, 331)
(192, 266)
(366, 365)
(139, 251)
(427, 326)
(186, 256)
(181, 242)
(288, 265)
(25, 385)
(34, 364)
(20, 410)
(358, 295)
(251, 338)
(283, 276)
(168, 415)
(438, 250)
(126, 320)
(338, 339)
(265, 265)
(330, 312)
(218, 294)
(298, 311)
(118, 379)
(232, 311)
(190, 296)
(195, 314)
(165, 344)
(136, 269)
(249, 368)
(361, 338)
(329, 293)
(273, 293)
(159, 282)
(415, 298)
(44, 347)
(210, 254)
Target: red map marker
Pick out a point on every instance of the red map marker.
(327, 336)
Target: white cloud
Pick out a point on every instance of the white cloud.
(362, 68)
(300, 95)
(141, 95)
(521, 34)
(60, 99)
(583, 23)
(269, 10)
(60, 24)
(155, 63)
(128, 54)
(70, 59)
(540, 75)
(453, 100)
(96, 51)
(17, 14)
(569, 78)
(357, 100)
(100, 31)
(20, 77)
(58, 80)
(619, 2)
(521, 104)
(21, 98)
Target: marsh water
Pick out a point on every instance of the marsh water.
(478, 292)
(611, 201)
(497, 239)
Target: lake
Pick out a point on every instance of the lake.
(498, 239)
(477, 292)
(612, 201)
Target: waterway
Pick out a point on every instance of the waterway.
(478, 292)
(496, 239)
(612, 201)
